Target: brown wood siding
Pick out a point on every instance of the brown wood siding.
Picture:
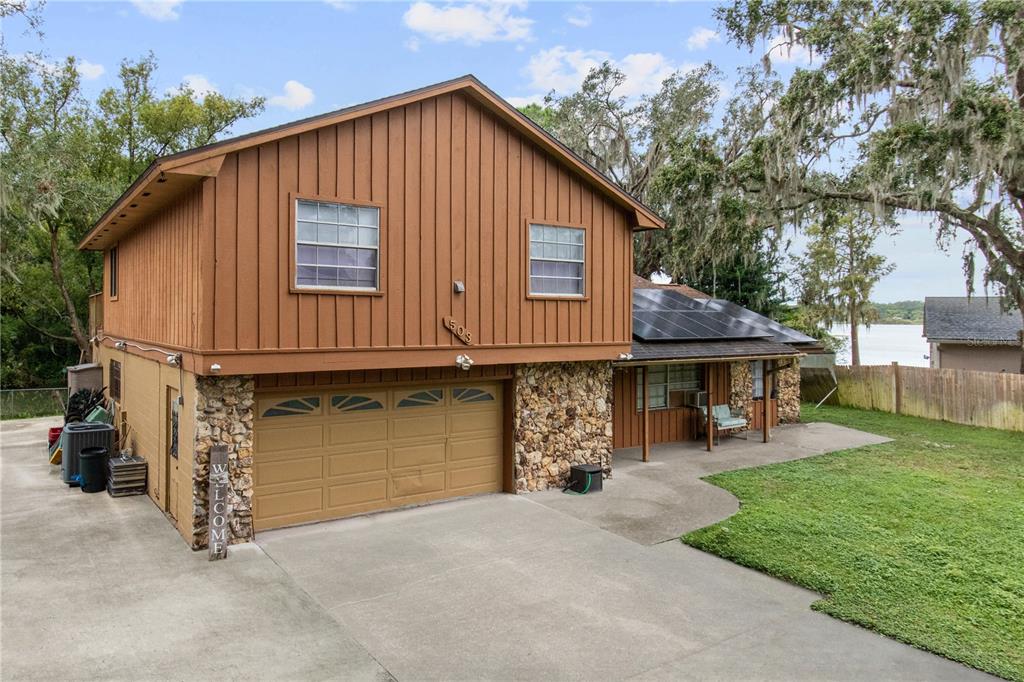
(456, 186)
(158, 279)
(273, 382)
(669, 425)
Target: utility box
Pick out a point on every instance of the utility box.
(76, 437)
(88, 375)
(585, 478)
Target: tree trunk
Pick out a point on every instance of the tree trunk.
(854, 339)
(57, 268)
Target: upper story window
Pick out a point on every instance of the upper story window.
(113, 272)
(557, 260)
(336, 246)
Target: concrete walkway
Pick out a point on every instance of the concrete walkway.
(493, 587)
(100, 588)
(662, 499)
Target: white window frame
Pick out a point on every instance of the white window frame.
(358, 226)
(675, 379)
(543, 241)
(757, 380)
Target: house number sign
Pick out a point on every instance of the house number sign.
(461, 333)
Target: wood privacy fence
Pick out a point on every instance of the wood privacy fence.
(955, 395)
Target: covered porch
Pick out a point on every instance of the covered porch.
(699, 392)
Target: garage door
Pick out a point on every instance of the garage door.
(328, 454)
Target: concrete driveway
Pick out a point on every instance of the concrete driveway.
(493, 587)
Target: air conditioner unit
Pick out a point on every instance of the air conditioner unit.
(78, 435)
(695, 398)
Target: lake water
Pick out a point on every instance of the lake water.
(885, 343)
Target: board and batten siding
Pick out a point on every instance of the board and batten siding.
(456, 187)
(159, 290)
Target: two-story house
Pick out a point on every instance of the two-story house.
(411, 299)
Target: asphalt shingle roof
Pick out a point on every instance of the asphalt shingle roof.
(979, 319)
(695, 350)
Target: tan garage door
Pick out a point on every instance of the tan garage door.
(327, 454)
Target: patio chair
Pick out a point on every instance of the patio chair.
(725, 419)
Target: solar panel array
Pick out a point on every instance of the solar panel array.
(665, 315)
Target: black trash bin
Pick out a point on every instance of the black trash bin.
(92, 467)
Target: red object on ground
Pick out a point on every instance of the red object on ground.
(55, 432)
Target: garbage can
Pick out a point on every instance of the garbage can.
(92, 468)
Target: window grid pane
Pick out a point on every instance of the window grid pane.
(664, 379)
(557, 260)
(336, 245)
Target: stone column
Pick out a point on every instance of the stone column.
(741, 389)
(562, 416)
(787, 382)
(224, 414)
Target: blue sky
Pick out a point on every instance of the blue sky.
(312, 57)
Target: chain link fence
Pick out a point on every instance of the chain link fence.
(21, 403)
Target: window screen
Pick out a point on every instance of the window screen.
(336, 246)
(557, 260)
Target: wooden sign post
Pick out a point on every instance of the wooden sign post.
(218, 502)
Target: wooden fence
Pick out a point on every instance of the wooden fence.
(955, 395)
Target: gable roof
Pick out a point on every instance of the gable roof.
(177, 172)
(670, 325)
(979, 319)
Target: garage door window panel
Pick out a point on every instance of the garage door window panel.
(423, 398)
(472, 395)
(291, 407)
(355, 403)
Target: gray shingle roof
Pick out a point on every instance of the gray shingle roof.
(696, 350)
(980, 319)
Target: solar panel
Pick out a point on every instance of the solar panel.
(667, 315)
(690, 325)
(779, 332)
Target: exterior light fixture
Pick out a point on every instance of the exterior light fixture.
(174, 360)
(120, 345)
(459, 287)
(463, 361)
(215, 368)
(625, 356)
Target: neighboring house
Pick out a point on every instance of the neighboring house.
(692, 349)
(972, 333)
(408, 300)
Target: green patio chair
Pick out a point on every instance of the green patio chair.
(725, 419)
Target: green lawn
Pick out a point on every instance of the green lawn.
(921, 539)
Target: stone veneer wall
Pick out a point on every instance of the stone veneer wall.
(788, 381)
(224, 414)
(742, 388)
(787, 390)
(562, 416)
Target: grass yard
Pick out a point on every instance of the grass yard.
(921, 539)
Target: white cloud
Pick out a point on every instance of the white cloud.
(701, 37)
(342, 5)
(518, 102)
(786, 51)
(563, 70)
(295, 96)
(412, 44)
(472, 23)
(161, 10)
(199, 84)
(88, 70)
(579, 16)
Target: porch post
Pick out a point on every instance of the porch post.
(647, 416)
(765, 387)
(709, 425)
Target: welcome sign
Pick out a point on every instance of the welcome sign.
(218, 502)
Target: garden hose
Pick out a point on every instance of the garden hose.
(586, 488)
